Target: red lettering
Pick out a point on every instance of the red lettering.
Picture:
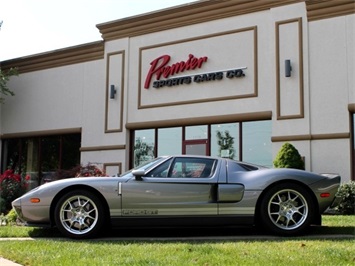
(153, 69)
(159, 67)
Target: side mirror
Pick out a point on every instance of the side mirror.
(138, 173)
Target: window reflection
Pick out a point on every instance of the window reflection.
(225, 140)
(170, 141)
(196, 132)
(144, 143)
(41, 157)
(253, 145)
(257, 143)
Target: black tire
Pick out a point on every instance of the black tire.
(79, 214)
(286, 209)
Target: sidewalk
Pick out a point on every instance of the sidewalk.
(5, 262)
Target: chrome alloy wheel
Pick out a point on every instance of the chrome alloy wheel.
(78, 214)
(288, 209)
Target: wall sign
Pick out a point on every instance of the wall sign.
(162, 72)
(187, 71)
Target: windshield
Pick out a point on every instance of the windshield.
(146, 165)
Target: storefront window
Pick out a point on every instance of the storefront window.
(144, 144)
(196, 132)
(13, 159)
(71, 149)
(247, 141)
(257, 142)
(225, 140)
(30, 163)
(50, 153)
(170, 141)
(41, 157)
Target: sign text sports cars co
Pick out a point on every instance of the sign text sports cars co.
(160, 69)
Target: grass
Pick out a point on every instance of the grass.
(308, 250)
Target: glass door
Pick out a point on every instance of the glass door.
(196, 147)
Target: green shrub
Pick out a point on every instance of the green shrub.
(288, 157)
(346, 199)
(11, 217)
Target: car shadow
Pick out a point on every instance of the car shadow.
(187, 234)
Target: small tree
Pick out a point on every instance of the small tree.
(225, 144)
(289, 157)
(4, 78)
(141, 151)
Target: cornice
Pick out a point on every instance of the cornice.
(184, 15)
(56, 58)
(323, 9)
(41, 133)
(170, 18)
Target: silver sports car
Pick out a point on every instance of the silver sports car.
(183, 191)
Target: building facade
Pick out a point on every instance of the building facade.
(223, 78)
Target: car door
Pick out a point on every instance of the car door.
(181, 186)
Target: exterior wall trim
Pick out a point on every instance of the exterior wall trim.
(300, 69)
(119, 129)
(41, 133)
(103, 148)
(267, 115)
(317, 10)
(57, 58)
(118, 165)
(184, 15)
(309, 137)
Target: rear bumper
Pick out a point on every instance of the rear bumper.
(325, 190)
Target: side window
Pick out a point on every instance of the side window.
(193, 167)
(161, 170)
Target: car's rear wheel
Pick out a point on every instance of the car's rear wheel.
(286, 209)
(79, 214)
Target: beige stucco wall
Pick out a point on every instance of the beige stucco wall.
(332, 87)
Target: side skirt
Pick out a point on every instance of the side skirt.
(182, 221)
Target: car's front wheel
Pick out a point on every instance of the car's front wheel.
(286, 209)
(79, 214)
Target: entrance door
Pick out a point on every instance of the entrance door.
(195, 147)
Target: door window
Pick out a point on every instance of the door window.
(193, 167)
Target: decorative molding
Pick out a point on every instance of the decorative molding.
(118, 164)
(103, 148)
(267, 115)
(300, 70)
(41, 133)
(351, 107)
(309, 137)
(205, 10)
(121, 95)
(170, 18)
(57, 58)
(324, 9)
(184, 15)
